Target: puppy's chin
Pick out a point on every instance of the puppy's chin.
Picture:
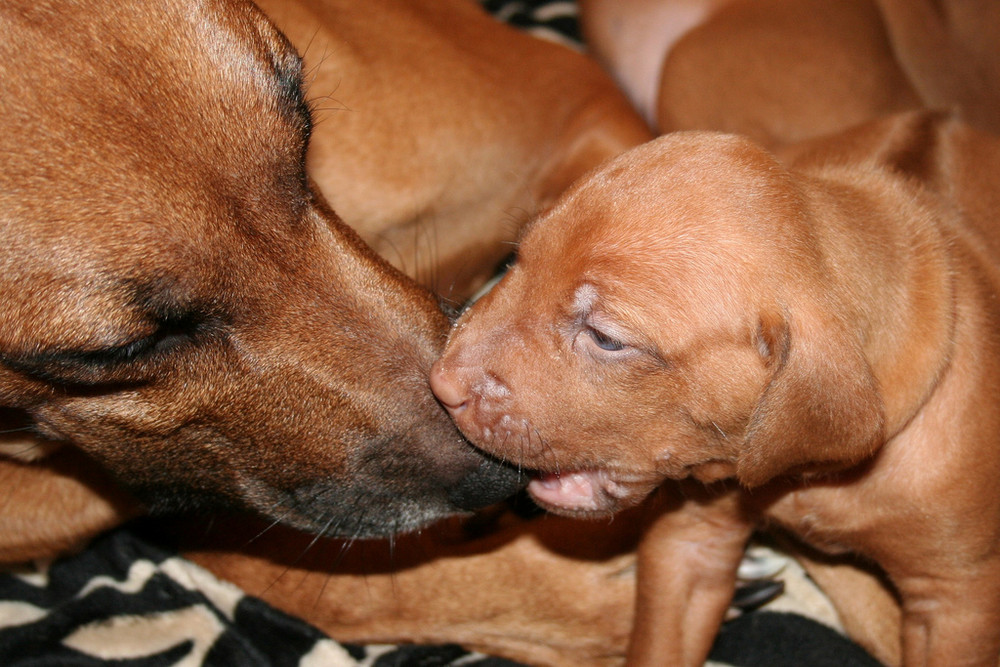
(584, 493)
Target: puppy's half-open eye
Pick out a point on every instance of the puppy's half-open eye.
(600, 344)
(604, 341)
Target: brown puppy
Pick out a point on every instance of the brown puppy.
(811, 344)
(440, 130)
(782, 71)
(178, 301)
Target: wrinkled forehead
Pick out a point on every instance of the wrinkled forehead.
(660, 239)
(676, 231)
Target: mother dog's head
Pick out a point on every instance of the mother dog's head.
(178, 302)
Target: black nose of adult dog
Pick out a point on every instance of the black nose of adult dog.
(492, 482)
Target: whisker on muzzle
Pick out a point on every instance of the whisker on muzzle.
(545, 450)
(265, 529)
(345, 546)
(323, 532)
(278, 512)
(505, 458)
(21, 429)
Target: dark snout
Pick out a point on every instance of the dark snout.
(427, 473)
(492, 482)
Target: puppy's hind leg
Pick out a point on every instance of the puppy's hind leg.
(55, 505)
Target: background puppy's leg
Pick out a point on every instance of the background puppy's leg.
(632, 37)
(686, 576)
(551, 591)
(948, 50)
(50, 506)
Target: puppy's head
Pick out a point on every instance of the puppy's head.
(671, 316)
(179, 303)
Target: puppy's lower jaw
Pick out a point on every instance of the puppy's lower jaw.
(590, 492)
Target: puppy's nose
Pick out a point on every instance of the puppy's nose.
(448, 388)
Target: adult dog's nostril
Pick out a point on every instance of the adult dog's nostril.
(448, 389)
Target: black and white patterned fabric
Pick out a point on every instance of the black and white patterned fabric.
(126, 602)
(554, 20)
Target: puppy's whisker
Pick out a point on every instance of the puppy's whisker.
(546, 451)
(524, 444)
(505, 459)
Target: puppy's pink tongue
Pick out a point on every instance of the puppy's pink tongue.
(576, 491)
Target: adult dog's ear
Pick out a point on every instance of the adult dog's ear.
(821, 409)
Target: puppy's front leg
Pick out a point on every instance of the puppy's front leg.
(687, 566)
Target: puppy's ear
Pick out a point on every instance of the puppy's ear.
(821, 409)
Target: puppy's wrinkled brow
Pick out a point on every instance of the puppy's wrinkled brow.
(584, 298)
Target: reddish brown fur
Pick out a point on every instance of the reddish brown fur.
(550, 592)
(812, 339)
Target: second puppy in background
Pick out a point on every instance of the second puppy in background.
(439, 130)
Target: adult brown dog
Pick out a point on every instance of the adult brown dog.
(179, 302)
(809, 343)
(69, 311)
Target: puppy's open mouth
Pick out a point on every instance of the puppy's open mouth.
(578, 492)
